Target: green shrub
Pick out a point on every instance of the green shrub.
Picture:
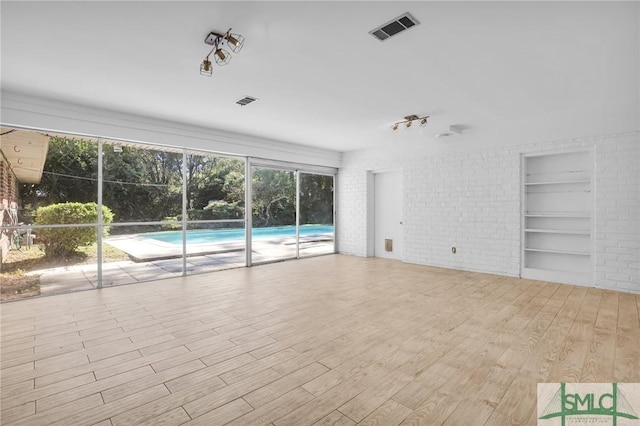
(223, 210)
(60, 242)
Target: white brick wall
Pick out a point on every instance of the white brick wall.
(352, 212)
(472, 201)
(467, 201)
(618, 213)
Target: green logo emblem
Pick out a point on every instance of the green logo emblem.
(588, 403)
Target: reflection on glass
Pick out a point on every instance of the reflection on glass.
(273, 235)
(316, 214)
(141, 184)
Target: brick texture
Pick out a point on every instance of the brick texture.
(8, 193)
(472, 201)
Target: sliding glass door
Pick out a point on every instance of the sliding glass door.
(316, 219)
(292, 214)
(273, 218)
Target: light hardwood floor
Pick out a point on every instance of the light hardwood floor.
(334, 340)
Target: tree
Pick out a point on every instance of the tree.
(316, 199)
(145, 184)
(274, 197)
(70, 174)
(142, 184)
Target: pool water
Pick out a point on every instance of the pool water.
(225, 235)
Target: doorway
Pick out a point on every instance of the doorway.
(388, 215)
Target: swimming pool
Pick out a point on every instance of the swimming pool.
(201, 236)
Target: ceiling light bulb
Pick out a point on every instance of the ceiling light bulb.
(222, 57)
(394, 127)
(205, 68)
(235, 42)
(423, 122)
(409, 123)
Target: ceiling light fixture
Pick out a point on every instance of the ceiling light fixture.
(205, 67)
(222, 56)
(408, 122)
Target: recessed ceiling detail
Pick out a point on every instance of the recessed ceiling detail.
(454, 129)
(394, 26)
(246, 100)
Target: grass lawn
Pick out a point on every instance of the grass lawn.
(17, 282)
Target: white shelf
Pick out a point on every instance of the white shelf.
(558, 182)
(557, 218)
(572, 253)
(559, 231)
(562, 215)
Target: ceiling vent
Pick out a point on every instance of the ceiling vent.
(394, 27)
(246, 100)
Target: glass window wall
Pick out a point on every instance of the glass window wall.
(165, 212)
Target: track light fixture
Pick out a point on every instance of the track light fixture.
(408, 122)
(221, 56)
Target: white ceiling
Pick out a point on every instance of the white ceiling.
(510, 72)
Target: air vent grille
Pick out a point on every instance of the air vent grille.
(394, 27)
(246, 100)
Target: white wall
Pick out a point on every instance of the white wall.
(471, 200)
(22, 110)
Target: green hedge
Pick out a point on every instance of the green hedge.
(59, 242)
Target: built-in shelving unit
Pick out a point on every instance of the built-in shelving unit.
(556, 218)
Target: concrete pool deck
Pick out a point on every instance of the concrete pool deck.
(143, 249)
(168, 264)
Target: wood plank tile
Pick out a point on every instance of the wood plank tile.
(390, 413)
(256, 366)
(107, 364)
(419, 389)
(209, 402)
(62, 412)
(223, 415)
(434, 410)
(470, 412)
(42, 392)
(519, 400)
(367, 401)
(117, 389)
(10, 415)
(271, 391)
(89, 416)
(275, 409)
(8, 391)
(208, 373)
(334, 339)
(322, 405)
(51, 401)
(335, 418)
(175, 417)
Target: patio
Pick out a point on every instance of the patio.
(162, 261)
